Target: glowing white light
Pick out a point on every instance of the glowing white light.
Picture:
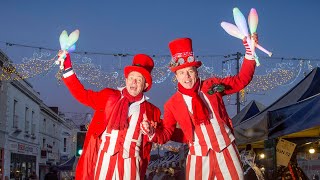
(312, 150)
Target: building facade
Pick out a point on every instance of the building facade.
(56, 139)
(21, 137)
(3, 100)
(33, 136)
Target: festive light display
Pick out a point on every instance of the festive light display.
(40, 64)
(30, 67)
(283, 74)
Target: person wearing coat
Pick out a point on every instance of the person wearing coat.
(199, 110)
(114, 146)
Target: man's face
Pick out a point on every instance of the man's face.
(135, 83)
(187, 77)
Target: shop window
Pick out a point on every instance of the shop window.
(32, 124)
(54, 129)
(44, 125)
(15, 116)
(64, 144)
(26, 120)
(43, 143)
(21, 166)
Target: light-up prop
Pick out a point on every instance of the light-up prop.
(67, 44)
(233, 30)
(240, 30)
(253, 20)
(253, 24)
(241, 23)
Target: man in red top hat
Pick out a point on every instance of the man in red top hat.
(115, 147)
(198, 108)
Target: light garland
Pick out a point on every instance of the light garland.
(275, 77)
(30, 67)
(277, 74)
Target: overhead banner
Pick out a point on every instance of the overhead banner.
(285, 150)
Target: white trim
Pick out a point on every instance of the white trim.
(67, 74)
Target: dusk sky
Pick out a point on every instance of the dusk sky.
(290, 29)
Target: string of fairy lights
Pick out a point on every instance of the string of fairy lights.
(41, 63)
(274, 72)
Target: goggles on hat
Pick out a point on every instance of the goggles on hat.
(182, 58)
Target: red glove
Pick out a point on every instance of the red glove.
(66, 61)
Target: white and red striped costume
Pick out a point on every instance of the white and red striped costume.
(212, 154)
(112, 154)
(119, 152)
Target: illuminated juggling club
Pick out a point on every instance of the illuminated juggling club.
(241, 23)
(232, 30)
(253, 24)
(67, 44)
(253, 20)
(235, 32)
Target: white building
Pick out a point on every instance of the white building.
(56, 139)
(21, 137)
(19, 115)
(32, 135)
(3, 100)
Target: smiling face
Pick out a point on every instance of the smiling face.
(135, 83)
(187, 77)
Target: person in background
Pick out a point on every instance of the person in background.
(199, 110)
(33, 176)
(52, 174)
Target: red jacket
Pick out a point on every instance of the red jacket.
(176, 111)
(99, 101)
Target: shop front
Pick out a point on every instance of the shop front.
(22, 166)
(23, 160)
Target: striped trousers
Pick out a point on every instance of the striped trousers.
(116, 168)
(224, 165)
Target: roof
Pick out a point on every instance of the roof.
(296, 118)
(256, 128)
(247, 112)
(68, 165)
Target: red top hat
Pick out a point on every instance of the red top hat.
(182, 54)
(143, 64)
